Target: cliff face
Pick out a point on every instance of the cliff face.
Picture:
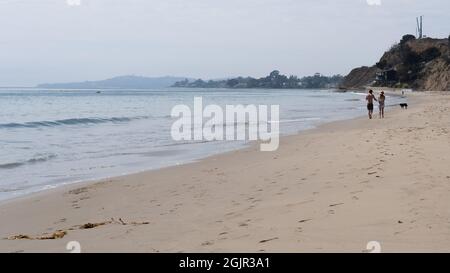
(418, 64)
(360, 77)
(435, 76)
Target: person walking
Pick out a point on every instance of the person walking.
(381, 103)
(370, 98)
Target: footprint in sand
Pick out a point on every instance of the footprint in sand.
(268, 240)
(207, 243)
(62, 220)
(75, 204)
(243, 224)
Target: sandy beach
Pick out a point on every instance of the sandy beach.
(330, 189)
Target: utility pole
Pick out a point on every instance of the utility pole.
(419, 30)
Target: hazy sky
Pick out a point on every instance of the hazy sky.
(59, 40)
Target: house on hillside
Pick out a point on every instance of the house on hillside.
(386, 76)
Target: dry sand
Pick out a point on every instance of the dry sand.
(331, 189)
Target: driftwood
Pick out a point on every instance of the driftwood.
(59, 234)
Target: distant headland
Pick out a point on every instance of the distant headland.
(121, 82)
(274, 80)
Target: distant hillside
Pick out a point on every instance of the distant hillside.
(273, 80)
(420, 64)
(122, 82)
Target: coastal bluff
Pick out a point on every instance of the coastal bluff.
(419, 64)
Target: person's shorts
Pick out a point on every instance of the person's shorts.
(370, 106)
(381, 106)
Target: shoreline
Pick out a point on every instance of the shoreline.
(28, 173)
(173, 200)
(75, 183)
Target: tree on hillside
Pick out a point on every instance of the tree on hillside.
(406, 38)
(232, 83)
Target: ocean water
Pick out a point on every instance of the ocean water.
(55, 137)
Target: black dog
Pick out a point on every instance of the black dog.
(404, 105)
